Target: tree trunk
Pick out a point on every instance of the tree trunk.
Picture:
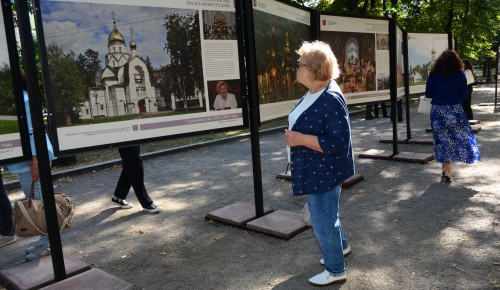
(449, 25)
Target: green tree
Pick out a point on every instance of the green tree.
(67, 84)
(152, 77)
(183, 45)
(7, 99)
(473, 23)
(88, 64)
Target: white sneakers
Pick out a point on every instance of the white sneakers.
(121, 202)
(325, 278)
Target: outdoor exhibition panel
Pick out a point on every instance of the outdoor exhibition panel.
(361, 46)
(400, 62)
(13, 135)
(423, 49)
(279, 29)
(120, 72)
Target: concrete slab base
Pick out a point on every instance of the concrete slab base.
(287, 175)
(94, 279)
(413, 157)
(237, 214)
(377, 154)
(475, 128)
(281, 224)
(356, 178)
(38, 273)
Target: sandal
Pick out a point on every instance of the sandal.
(446, 178)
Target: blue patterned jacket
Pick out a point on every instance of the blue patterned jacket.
(314, 172)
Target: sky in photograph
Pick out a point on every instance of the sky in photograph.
(79, 26)
(4, 55)
(419, 49)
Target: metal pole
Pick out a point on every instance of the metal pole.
(496, 79)
(406, 81)
(252, 91)
(393, 83)
(35, 103)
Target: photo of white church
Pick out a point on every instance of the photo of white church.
(123, 86)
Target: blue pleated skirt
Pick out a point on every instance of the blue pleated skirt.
(454, 140)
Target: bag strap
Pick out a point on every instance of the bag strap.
(66, 220)
(27, 216)
(32, 192)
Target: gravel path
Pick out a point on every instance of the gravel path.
(406, 230)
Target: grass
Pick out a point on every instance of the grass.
(8, 126)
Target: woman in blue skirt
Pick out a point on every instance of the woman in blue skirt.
(452, 134)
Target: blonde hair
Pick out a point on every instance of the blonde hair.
(319, 60)
(222, 83)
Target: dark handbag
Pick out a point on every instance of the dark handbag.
(29, 214)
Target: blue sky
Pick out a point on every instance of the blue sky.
(79, 26)
(419, 50)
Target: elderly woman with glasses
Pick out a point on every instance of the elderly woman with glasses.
(321, 155)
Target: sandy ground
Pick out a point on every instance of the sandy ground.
(406, 230)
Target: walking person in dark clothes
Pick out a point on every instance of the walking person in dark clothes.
(133, 176)
(471, 78)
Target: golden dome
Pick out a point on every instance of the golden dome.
(115, 36)
(133, 44)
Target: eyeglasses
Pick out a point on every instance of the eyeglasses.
(298, 64)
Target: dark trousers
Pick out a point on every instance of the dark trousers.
(132, 175)
(374, 108)
(6, 228)
(466, 105)
(384, 110)
(399, 104)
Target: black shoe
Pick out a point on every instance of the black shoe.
(369, 118)
(121, 202)
(152, 208)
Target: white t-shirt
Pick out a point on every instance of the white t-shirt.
(307, 100)
(469, 76)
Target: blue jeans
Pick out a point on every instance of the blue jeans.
(6, 228)
(25, 180)
(324, 209)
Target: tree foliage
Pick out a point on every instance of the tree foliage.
(88, 63)
(7, 98)
(67, 84)
(475, 24)
(184, 73)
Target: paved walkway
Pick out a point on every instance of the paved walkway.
(407, 230)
